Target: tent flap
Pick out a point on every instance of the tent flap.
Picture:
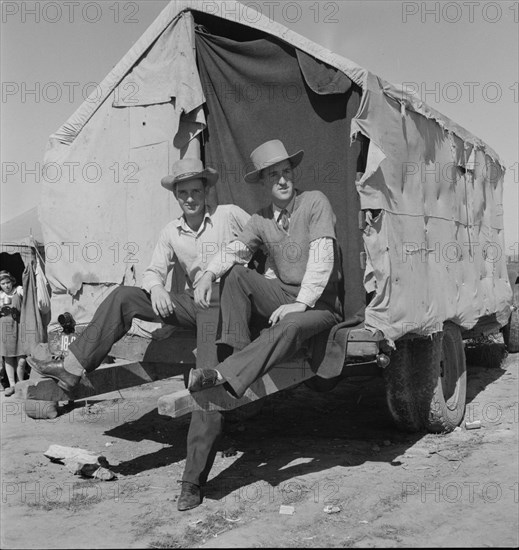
(96, 216)
(167, 71)
(260, 82)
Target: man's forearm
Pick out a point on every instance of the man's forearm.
(151, 279)
(234, 253)
(318, 271)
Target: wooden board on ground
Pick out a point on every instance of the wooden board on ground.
(108, 378)
(279, 378)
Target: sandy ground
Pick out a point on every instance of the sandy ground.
(304, 450)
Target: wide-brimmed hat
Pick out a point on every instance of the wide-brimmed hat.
(269, 153)
(6, 275)
(188, 169)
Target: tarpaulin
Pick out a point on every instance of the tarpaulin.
(431, 191)
(168, 71)
(102, 204)
(256, 91)
(436, 247)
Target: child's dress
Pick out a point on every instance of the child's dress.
(10, 344)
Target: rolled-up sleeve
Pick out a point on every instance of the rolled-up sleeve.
(162, 262)
(318, 271)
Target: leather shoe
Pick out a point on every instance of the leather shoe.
(201, 379)
(190, 496)
(54, 369)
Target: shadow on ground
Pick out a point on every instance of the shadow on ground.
(344, 427)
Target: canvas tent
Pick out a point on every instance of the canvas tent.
(21, 247)
(20, 239)
(208, 79)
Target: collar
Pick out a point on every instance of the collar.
(181, 223)
(290, 207)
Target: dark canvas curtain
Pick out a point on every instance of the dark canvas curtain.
(256, 91)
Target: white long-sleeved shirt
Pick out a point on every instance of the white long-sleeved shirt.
(319, 265)
(193, 250)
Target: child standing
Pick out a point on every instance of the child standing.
(11, 305)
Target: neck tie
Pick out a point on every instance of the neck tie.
(283, 218)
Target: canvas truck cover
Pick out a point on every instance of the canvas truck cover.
(432, 191)
(435, 246)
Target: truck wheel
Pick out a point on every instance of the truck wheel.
(426, 382)
(511, 332)
(447, 406)
(399, 390)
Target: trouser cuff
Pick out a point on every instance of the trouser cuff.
(72, 365)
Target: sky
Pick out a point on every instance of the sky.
(462, 57)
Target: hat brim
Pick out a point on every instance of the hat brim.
(295, 160)
(209, 174)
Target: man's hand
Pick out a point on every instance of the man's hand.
(203, 290)
(161, 301)
(281, 311)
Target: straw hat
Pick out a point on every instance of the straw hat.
(188, 169)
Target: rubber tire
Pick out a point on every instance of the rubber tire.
(399, 389)
(511, 333)
(447, 407)
(426, 382)
(511, 330)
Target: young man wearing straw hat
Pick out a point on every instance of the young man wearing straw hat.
(192, 240)
(299, 301)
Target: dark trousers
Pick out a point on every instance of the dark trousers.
(246, 294)
(113, 320)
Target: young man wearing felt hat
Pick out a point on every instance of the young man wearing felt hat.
(192, 240)
(299, 301)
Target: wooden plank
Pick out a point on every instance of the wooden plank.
(148, 362)
(114, 376)
(279, 378)
(361, 349)
(364, 335)
(134, 348)
(363, 343)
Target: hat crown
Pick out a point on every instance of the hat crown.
(269, 153)
(187, 167)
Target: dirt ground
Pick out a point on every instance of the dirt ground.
(306, 451)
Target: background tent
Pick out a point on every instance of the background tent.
(20, 239)
(21, 245)
(202, 81)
